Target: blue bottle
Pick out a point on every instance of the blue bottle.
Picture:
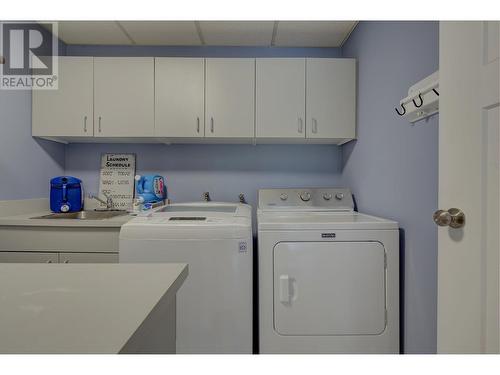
(66, 194)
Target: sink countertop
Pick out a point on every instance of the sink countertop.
(81, 308)
(26, 219)
(21, 212)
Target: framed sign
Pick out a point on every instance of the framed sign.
(117, 179)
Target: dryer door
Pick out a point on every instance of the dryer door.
(329, 288)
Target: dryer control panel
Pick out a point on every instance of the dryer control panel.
(312, 199)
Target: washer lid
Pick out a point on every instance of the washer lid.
(320, 220)
(209, 220)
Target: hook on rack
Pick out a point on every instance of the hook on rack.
(436, 92)
(401, 113)
(421, 101)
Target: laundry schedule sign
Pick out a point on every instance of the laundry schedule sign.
(117, 179)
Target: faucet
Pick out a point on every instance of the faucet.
(108, 202)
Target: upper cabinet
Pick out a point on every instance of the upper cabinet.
(67, 111)
(124, 97)
(164, 99)
(280, 98)
(331, 99)
(230, 98)
(179, 97)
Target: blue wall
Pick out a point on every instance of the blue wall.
(224, 170)
(393, 167)
(26, 164)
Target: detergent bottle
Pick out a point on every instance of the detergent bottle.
(150, 188)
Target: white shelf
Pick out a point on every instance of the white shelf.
(427, 89)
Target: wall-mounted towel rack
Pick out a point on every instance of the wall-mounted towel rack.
(422, 100)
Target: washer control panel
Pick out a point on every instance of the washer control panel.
(307, 198)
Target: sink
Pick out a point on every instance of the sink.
(84, 215)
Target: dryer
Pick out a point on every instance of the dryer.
(214, 305)
(328, 276)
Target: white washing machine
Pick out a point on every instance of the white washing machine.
(214, 305)
(328, 276)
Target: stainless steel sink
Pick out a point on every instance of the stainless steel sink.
(84, 215)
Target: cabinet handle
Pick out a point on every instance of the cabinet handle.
(85, 124)
(212, 124)
(66, 261)
(197, 124)
(301, 125)
(48, 261)
(99, 124)
(315, 126)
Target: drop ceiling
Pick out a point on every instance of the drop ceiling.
(213, 33)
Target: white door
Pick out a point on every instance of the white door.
(179, 97)
(469, 145)
(280, 96)
(28, 257)
(331, 98)
(124, 96)
(230, 98)
(88, 258)
(329, 288)
(67, 111)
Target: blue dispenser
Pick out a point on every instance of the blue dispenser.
(66, 194)
(151, 188)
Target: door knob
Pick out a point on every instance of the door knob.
(454, 217)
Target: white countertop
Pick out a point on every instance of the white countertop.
(21, 213)
(27, 220)
(80, 308)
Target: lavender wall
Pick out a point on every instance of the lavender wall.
(393, 167)
(224, 170)
(26, 164)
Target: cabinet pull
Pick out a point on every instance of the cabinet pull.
(99, 124)
(301, 125)
(85, 124)
(314, 126)
(212, 124)
(197, 124)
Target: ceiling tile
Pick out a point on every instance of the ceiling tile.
(92, 32)
(237, 33)
(312, 33)
(166, 33)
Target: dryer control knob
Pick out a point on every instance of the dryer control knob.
(339, 196)
(305, 196)
(283, 196)
(327, 196)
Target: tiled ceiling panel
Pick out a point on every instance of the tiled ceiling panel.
(211, 33)
(237, 33)
(312, 33)
(166, 33)
(92, 32)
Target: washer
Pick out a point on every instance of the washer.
(328, 276)
(214, 305)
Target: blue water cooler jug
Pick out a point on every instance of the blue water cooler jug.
(66, 194)
(150, 188)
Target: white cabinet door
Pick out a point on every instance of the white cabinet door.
(67, 111)
(88, 258)
(329, 288)
(331, 98)
(124, 96)
(28, 257)
(280, 98)
(179, 97)
(230, 98)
